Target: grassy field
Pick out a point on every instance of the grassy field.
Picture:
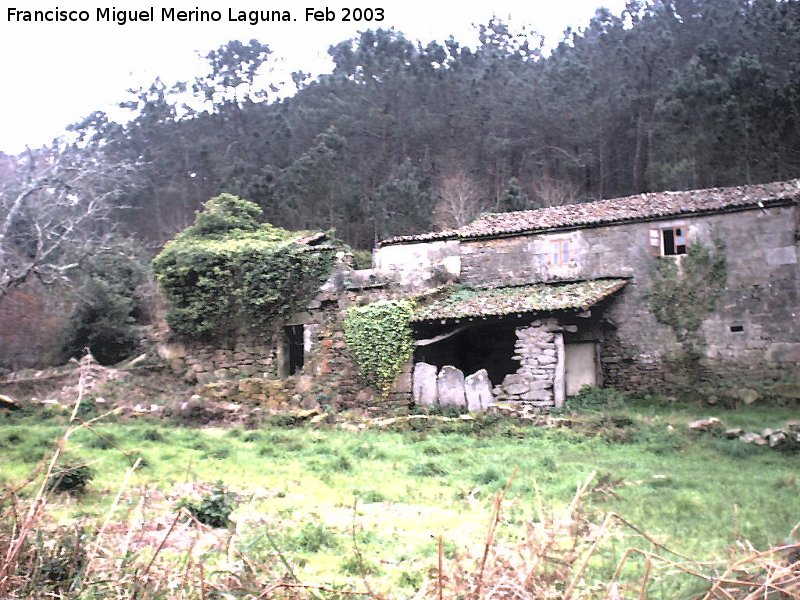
(338, 504)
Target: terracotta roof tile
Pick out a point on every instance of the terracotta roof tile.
(536, 297)
(631, 208)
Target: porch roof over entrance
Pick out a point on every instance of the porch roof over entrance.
(535, 297)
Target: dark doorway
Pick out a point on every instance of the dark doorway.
(295, 347)
(487, 346)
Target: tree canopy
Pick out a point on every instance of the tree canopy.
(666, 95)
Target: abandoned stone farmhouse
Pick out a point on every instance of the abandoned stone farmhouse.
(536, 304)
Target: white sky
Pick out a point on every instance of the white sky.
(55, 73)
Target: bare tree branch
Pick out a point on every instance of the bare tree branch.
(56, 207)
(460, 200)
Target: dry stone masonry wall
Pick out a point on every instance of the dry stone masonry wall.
(205, 363)
(534, 383)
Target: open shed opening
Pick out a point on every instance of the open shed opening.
(477, 346)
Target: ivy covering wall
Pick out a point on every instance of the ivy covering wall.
(380, 340)
(228, 272)
(684, 293)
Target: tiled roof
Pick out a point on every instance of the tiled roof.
(642, 207)
(535, 297)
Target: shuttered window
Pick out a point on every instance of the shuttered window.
(668, 241)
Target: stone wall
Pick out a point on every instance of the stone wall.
(251, 365)
(207, 362)
(539, 380)
(628, 368)
(418, 265)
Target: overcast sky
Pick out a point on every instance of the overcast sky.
(55, 73)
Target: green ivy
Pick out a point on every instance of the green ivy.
(683, 293)
(227, 272)
(379, 338)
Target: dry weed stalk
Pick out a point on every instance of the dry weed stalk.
(18, 539)
(537, 568)
(552, 561)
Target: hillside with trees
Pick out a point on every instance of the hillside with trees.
(403, 137)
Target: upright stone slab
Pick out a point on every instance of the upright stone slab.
(559, 380)
(478, 391)
(450, 386)
(424, 385)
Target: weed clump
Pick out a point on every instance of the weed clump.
(251, 436)
(62, 560)
(370, 496)
(591, 398)
(357, 566)
(427, 469)
(432, 450)
(213, 509)
(548, 463)
(217, 453)
(152, 435)
(734, 448)
(341, 464)
(487, 476)
(313, 537)
(105, 442)
(70, 477)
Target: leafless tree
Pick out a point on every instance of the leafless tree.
(460, 200)
(56, 207)
(554, 192)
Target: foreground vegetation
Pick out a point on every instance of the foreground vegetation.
(361, 507)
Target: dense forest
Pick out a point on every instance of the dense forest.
(403, 137)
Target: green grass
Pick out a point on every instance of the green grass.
(317, 493)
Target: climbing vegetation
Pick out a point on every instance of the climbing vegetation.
(683, 293)
(227, 272)
(380, 340)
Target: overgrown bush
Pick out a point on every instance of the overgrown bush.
(213, 509)
(227, 270)
(70, 477)
(380, 340)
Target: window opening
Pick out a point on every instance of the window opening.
(559, 252)
(737, 328)
(674, 241)
(668, 241)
